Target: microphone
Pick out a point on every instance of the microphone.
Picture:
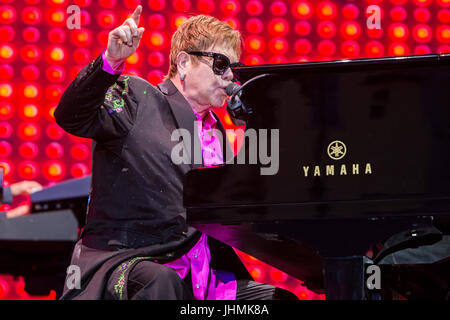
(235, 107)
(232, 88)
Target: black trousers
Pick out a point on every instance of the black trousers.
(151, 281)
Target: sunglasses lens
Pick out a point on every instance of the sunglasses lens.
(221, 64)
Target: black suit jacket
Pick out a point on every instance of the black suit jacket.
(136, 197)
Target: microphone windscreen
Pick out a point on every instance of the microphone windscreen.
(231, 88)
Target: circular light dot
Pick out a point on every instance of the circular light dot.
(102, 38)
(79, 151)
(279, 45)
(81, 56)
(54, 150)
(350, 11)
(30, 111)
(109, 4)
(278, 27)
(6, 72)
(7, 168)
(54, 170)
(28, 150)
(422, 2)
(31, 91)
(422, 15)
(444, 16)
(156, 40)
(156, 21)
(30, 53)
(303, 46)
(79, 170)
(443, 33)
(82, 37)
(398, 14)
(29, 131)
(6, 91)
(157, 5)
(56, 35)
(232, 22)
(5, 130)
(56, 54)
(253, 59)
(254, 7)
(7, 53)
(350, 30)
(422, 49)
(254, 44)
(326, 48)
(398, 49)
(106, 19)
(277, 60)
(254, 25)
(31, 15)
(55, 17)
(30, 73)
(257, 273)
(205, 6)
(155, 77)
(86, 3)
(6, 111)
(422, 33)
(54, 132)
(6, 33)
(230, 7)
(278, 8)
(28, 170)
(156, 59)
(31, 34)
(326, 29)
(326, 10)
(5, 149)
(181, 5)
(56, 74)
(374, 49)
(53, 92)
(7, 14)
(398, 32)
(302, 10)
(302, 28)
(350, 49)
(178, 19)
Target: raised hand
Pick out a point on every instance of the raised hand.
(124, 40)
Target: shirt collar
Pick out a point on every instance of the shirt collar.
(208, 118)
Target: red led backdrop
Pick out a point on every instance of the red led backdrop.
(40, 53)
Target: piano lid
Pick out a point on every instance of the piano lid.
(370, 133)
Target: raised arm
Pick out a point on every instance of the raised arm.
(95, 104)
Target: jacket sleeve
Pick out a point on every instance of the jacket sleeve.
(97, 104)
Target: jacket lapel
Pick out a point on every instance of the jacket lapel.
(185, 119)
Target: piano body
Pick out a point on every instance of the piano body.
(363, 172)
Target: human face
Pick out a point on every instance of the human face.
(205, 89)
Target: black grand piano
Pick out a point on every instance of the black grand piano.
(359, 176)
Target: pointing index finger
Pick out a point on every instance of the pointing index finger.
(137, 14)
